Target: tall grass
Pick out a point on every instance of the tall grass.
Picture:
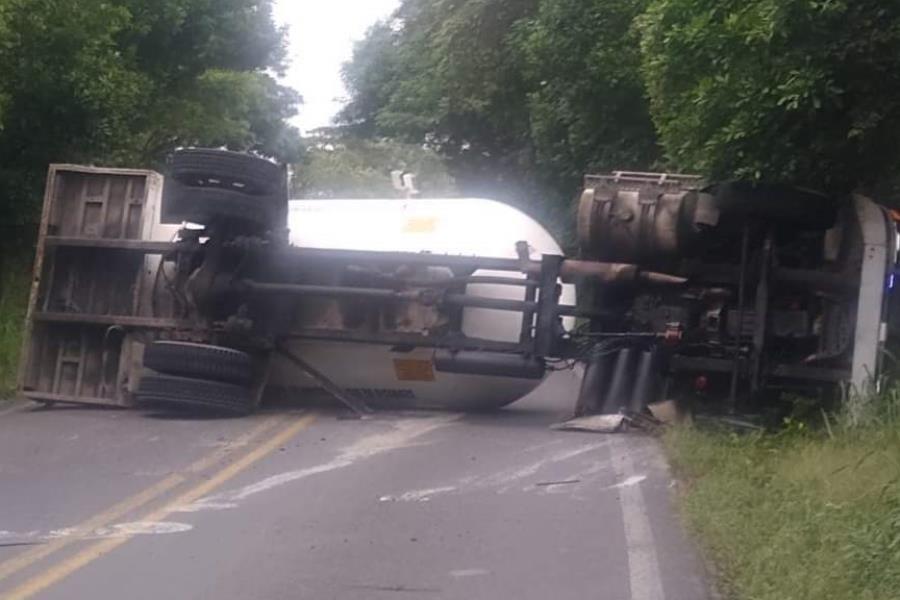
(14, 289)
(801, 515)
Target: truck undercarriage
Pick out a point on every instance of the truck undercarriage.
(735, 291)
(784, 287)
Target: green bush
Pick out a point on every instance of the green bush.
(14, 290)
(805, 91)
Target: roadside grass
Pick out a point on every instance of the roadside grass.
(13, 303)
(801, 514)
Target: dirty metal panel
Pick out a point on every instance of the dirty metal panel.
(85, 293)
(136, 246)
(96, 203)
(870, 308)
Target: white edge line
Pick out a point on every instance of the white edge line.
(643, 564)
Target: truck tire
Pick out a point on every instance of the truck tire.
(201, 204)
(201, 361)
(250, 174)
(197, 394)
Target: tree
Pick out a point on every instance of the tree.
(121, 82)
(443, 73)
(349, 167)
(803, 91)
(587, 104)
(520, 96)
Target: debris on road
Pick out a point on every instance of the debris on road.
(667, 412)
(615, 423)
(593, 423)
(552, 483)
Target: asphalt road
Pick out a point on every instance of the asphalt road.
(296, 503)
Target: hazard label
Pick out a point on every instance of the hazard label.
(408, 369)
(420, 225)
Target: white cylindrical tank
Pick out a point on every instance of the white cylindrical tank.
(457, 226)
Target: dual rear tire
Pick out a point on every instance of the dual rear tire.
(248, 194)
(205, 185)
(197, 377)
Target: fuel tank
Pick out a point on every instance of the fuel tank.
(385, 375)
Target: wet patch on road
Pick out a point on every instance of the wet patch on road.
(402, 434)
(33, 538)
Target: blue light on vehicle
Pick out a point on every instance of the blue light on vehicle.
(891, 281)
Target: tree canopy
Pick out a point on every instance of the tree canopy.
(587, 110)
(805, 91)
(124, 81)
(443, 73)
(520, 96)
(339, 166)
(523, 96)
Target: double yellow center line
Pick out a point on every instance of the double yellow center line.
(66, 567)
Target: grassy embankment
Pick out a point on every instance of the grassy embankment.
(798, 515)
(13, 300)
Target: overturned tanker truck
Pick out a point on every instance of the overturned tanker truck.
(209, 289)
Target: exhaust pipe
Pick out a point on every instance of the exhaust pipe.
(594, 385)
(620, 386)
(645, 382)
